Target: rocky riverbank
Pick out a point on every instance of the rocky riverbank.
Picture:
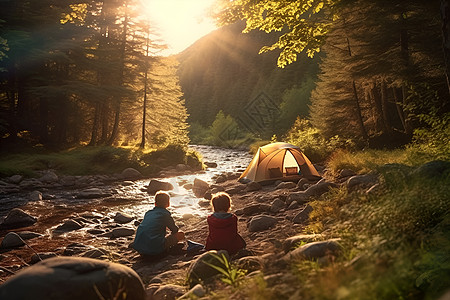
(271, 220)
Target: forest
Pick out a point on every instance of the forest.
(360, 74)
(86, 73)
(96, 118)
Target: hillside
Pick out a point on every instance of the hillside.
(223, 71)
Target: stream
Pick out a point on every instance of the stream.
(128, 197)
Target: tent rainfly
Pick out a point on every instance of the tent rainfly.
(279, 161)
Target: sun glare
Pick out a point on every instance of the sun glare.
(180, 22)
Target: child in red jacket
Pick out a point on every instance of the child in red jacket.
(223, 234)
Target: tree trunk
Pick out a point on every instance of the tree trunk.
(357, 106)
(144, 109)
(358, 113)
(398, 105)
(379, 122)
(94, 133)
(384, 107)
(118, 99)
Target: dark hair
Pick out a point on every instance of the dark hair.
(221, 201)
(162, 199)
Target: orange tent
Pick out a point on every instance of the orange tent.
(279, 161)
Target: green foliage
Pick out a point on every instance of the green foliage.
(303, 24)
(295, 104)
(198, 134)
(397, 241)
(312, 143)
(98, 160)
(230, 275)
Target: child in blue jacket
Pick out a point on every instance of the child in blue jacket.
(151, 234)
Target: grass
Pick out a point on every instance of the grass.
(395, 244)
(97, 160)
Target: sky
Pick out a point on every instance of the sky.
(181, 22)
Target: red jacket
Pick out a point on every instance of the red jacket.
(223, 233)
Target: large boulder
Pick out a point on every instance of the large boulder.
(315, 250)
(199, 271)
(131, 173)
(200, 187)
(123, 218)
(261, 222)
(157, 185)
(11, 240)
(17, 218)
(73, 278)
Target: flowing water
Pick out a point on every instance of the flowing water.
(127, 197)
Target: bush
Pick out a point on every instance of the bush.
(312, 143)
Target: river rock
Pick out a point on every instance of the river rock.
(210, 164)
(123, 218)
(261, 222)
(35, 196)
(301, 183)
(253, 186)
(293, 241)
(198, 291)
(300, 197)
(95, 253)
(49, 177)
(250, 263)
(364, 180)
(277, 205)
(68, 225)
(28, 235)
(75, 249)
(286, 185)
(303, 215)
(17, 218)
(199, 271)
(73, 278)
(200, 187)
(255, 209)
(37, 257)
(121, 232)
(315, 250)
(130, 174)
(11, 240)
(168, 292)
(235, 189)
(16, 179)
(157, 185)
(93, 193)
(319, 188)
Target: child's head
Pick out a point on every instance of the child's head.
(221, 202)
(162, 199)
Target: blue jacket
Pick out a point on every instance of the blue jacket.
(150, 235)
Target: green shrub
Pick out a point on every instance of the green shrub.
(312, 143)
